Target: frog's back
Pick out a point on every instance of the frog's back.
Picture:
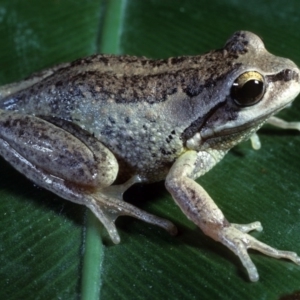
(121, 79)
(143, 110)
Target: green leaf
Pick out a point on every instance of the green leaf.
(50, 248)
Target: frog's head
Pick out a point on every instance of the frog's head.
(257, 86)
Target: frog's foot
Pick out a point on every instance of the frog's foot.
(107, 209)
(117, 191)
(277, 122)
(236, 238)
(255, 141)
(248, 227)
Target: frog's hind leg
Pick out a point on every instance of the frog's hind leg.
(71, 163)
(107, 209)
(108, 204)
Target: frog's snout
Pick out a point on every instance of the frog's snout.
(289, 74)
(297, 76)
(292, 72)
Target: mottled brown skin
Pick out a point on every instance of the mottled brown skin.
(79, 128)
(126, 101)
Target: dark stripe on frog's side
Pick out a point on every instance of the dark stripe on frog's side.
(130, 89)
(124, 89)
(154, 85)
(159, 79)
(125, 79)
(196, 125)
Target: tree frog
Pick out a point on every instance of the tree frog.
(90, 129)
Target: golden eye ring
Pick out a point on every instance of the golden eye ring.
(248, 89)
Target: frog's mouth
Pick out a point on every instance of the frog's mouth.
(227, 136)
(250, 126)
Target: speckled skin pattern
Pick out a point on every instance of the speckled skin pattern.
(79, 128)
(142, 110)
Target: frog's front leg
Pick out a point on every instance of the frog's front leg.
(277, 122)
(199, 207)
(68, 161)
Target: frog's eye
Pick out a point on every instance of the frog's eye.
(248, 89)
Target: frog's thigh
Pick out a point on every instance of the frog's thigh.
(70, 163)
(30, 144)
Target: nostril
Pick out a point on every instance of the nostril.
(296, 75)
(290, 75)
(284, 75)
(287, 75)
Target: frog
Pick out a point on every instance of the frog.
(90, 129)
